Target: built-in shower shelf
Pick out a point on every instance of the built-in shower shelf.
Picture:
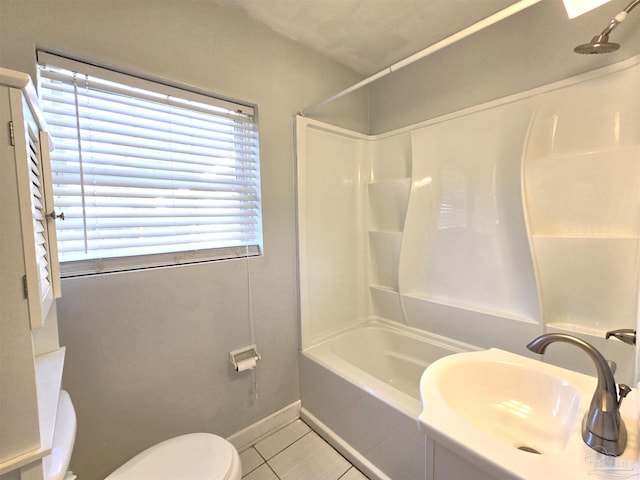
(484, 309)
(386, 303)
(576, 329)
(383, 288)
(384, 248)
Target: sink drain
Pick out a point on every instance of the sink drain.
(524, 448)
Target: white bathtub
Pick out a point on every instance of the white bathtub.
(360, 391)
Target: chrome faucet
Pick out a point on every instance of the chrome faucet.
(602, 428)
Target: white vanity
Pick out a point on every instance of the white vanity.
(497, 415)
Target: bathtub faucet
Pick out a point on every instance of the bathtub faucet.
(602, 428)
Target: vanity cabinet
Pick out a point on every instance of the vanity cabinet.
(31, 360)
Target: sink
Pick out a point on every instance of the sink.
(521, 407)
(515, 416)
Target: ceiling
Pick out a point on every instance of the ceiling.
(527, 50)
(368, 35)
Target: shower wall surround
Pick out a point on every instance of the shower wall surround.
(489, 226)
(332, 261)
(582, 189)
(466, 260)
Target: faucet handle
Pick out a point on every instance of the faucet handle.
(626, 335)
(624, 391)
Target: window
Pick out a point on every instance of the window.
(147, 174)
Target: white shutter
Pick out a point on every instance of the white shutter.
(52, 243)
(39, 277)
(145, 177)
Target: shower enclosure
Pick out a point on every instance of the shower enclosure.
(484, 228)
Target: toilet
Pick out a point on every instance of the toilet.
(195, 456)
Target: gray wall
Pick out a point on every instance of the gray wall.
(528, 50)
(147, 352)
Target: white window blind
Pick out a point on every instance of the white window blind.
(147, 174)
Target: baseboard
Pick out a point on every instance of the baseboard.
(253, 433)
(351, 454)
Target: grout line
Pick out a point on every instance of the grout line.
(269, 433)
(291, 444)
(260, 455)
(274, 472)
(244, 474)
(285, 447)
(266, 461)
(348, 469)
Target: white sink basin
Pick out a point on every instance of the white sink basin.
(511, 402)
(498, 410)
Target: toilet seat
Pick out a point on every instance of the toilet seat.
(195, 456)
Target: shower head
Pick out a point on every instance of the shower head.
(600, 43)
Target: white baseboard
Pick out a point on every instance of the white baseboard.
(351, 454)
(253, 433)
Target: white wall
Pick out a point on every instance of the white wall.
(147, 352)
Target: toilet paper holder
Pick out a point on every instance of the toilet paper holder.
(244, 358)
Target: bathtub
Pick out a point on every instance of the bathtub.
(359, 390)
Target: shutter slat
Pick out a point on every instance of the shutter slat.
(36, 200)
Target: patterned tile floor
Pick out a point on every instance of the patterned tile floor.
(296, 452)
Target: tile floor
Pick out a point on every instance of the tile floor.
(296, 452)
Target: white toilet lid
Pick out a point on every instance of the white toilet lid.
(196, 456)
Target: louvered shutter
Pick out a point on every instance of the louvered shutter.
(41, 280)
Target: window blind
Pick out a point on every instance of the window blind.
(147, 174)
